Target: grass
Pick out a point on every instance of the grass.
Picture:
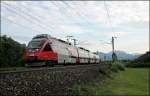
(132, 81)
(138, 64)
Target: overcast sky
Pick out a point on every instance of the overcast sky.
(93, 23)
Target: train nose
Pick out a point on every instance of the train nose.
(33, 50)
(31, 56)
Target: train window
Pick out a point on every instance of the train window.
(35, 44)
(47, 47)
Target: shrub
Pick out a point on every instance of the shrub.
(116, 66)
(120, 66)
(11, 52)
(138, 64)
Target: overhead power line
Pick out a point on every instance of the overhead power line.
(80, 15)
(83, 43)
(108, 15)
(37, 17)
(18, 24)
(27, 17)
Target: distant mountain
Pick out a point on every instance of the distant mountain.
(121, 55)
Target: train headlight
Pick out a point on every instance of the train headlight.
(36, 50)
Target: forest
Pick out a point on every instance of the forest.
(11, 52)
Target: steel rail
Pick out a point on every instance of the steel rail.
(70, 67)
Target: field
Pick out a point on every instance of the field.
(132, 81)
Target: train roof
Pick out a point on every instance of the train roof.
(95, 53)
(41, 36)
(46, 36)
(83, 49)
(63, 41)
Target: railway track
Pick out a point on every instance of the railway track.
(45, 81)
(55, 68)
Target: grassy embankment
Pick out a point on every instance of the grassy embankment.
(132, 81)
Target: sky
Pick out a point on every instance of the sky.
(92, 23)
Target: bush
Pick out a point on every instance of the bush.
(138, 64)
(116, 66)
(11, 52)
(120, 66)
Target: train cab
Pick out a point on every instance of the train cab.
(39, 51)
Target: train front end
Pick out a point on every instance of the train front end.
(39, 52)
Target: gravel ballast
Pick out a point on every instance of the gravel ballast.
(49, 81)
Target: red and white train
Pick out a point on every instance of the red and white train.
(46, 50)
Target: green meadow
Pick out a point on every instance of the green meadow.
(132, 81)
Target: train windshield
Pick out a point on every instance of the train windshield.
(35, 44)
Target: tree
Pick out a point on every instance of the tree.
(11, 52)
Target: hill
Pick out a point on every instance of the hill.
(143, 58)
(121, 55)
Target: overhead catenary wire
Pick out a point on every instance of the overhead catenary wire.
(108, 16)
(23, 16)
(27, 17)
(67, 5)
(112, 42)
(85, 42)
(85, 16)
(25, 27)
(37, 17)
(59, 9)
(41, 24)
(80, 15)
(51, 25)
(43, 28)
(21, 25)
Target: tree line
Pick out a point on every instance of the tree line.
(11, 52)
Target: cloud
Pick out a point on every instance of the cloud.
(119, 34)
(10, 3)
(86, 20)
(53, 14)
(136, 25)
(71, 29)
(95, 11)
